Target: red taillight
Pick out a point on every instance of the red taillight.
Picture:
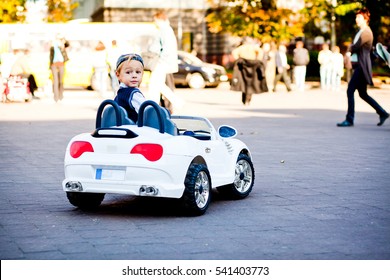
(80, 147)
(151, 152)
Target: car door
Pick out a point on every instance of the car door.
(180, 76)
(219, 161)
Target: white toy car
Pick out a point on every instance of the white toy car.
(179, 157)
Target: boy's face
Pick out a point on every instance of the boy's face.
(131, 73)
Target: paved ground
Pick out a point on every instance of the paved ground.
(330, 199)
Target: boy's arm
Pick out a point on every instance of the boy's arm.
(137, 100)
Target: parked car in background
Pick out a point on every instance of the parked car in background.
(195, 73)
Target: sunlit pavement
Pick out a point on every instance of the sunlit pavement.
(209, 102)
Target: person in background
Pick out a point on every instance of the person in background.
(362, 70)
(129, 71)
(325, 61)
(282, 68)
(58, 57)
(269, 52)
(100, 66)
(347, 66)
(22, 69)
(247, 56)
(112, 56)
(337, 68)
(164, 102)
(301, 59)
(166, 46)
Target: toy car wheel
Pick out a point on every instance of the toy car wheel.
(85, 200)
(243, 179)
(197, 193)
(196, 81)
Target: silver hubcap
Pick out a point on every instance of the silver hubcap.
(243, 176)
(196, 81)
(202, 189)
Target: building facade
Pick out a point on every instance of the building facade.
(187, 18)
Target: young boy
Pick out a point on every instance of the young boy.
(129, 70)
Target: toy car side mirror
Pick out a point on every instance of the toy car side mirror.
(226, 131)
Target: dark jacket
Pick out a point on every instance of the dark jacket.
(249, 76)
(124, 97)
(363, 50)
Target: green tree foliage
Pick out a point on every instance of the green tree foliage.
(12, 11)
(318, 14)
(256, 18)
(261, 19)
(380, 19)
(60, 10)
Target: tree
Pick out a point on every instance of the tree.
(380, 19)
(260, 19)
(263, 20)
(12, 11)
(318, 14)
(60, 10)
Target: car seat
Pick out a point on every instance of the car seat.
(113, 115)
(152, 115)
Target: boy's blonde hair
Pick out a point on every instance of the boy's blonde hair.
(128, 57)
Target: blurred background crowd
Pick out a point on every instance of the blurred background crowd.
(208, 35)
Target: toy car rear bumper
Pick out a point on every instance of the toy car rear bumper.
(165, 179)
(123, 187)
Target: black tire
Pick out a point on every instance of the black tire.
(244, 179)
(197, 194)
(85, 200)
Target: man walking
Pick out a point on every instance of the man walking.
(282, 68)
(301, 59)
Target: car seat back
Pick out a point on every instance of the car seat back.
(113, 115)
(152, 115)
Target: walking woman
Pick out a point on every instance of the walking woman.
(362, 73)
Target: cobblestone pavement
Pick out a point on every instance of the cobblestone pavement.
(321, 192)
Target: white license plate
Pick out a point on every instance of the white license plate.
(110, 174)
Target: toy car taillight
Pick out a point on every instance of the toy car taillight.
(80, 147)
(151, 152)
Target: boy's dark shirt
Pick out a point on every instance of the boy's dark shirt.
(124, 97)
